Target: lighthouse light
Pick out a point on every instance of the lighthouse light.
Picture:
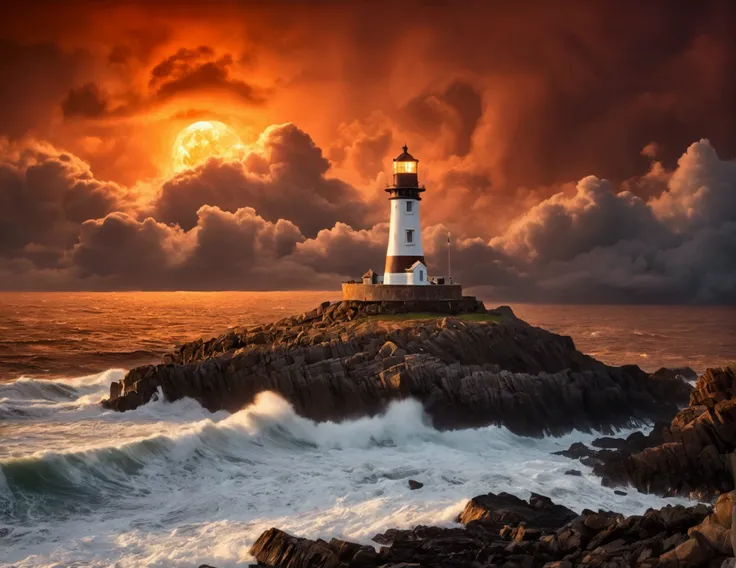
(405, 167)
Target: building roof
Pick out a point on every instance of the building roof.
(369, 274)
(415, 265)
(405, 156)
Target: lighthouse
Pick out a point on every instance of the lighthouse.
(405, 255)
(405, 286)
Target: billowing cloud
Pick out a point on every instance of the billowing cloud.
(283, 176)
(223, 251)
(343, 250)
(602, 246)
(701, 190)
(241, 225)
(121, 247)
(45, 194)
(561, 227)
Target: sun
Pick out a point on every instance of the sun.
(205, 139)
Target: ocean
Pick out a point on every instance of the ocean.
(171, 484)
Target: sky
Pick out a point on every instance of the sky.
(576, 151)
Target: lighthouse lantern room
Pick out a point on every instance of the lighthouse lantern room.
(405, 255)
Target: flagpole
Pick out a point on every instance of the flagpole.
(449, 262)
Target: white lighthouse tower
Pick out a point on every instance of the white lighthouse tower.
(405, 255)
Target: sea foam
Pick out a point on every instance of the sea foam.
(171, 484)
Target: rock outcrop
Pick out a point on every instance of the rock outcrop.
(609, 449)
(496, 511)
(346, 360)
(503, 531)
(691, 456)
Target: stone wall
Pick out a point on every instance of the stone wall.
(400, 293)
(351, 309)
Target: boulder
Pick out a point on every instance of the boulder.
(692, 552)
(415, 485)
(505, 509)
(277, 548)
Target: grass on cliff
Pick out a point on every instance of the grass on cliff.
(428, 316)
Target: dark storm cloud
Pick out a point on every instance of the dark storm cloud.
(194, 69)
(545, 93)
(45, 194)
(562, 227)
(599, 245)
(285, 178)
(61, 228)
(564, 89)
(223, 251)
(85, 101)
(451, 114)
(185, 71)
(180, 64)
(699, 268)
(33, 78)
(343, 250)
(135, 252)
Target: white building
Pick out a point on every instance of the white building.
(405, 255)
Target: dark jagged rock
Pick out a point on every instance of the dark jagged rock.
(672, 537)
(338, 361)
(692, 456)
(413, 485)
(608, 443)
(276, 548)
(576, 451)
(622, 447)
(685, 373)
(495, 511)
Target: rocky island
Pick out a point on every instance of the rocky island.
(470, 368)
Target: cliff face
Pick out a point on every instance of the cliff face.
(691, 456)
(343, 360)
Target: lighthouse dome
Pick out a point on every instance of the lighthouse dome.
(405, 156)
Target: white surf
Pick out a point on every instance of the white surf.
(171, 484)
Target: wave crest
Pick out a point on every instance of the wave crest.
(62, 483)
(35, 398)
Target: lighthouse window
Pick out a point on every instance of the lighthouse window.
(405, 167)
(410, 235)
(409, 206)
